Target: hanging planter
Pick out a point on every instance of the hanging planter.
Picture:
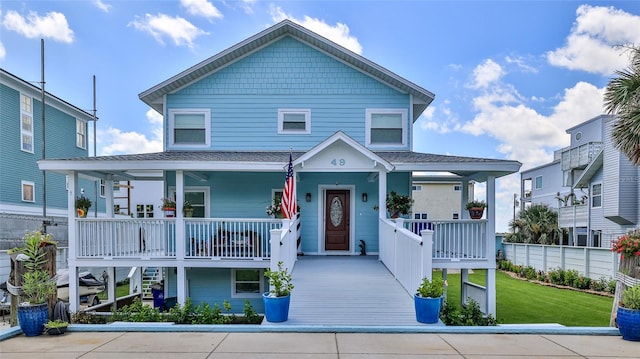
(476, 209)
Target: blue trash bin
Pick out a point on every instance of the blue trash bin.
(157, 290)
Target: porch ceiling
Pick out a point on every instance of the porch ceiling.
(138, 166)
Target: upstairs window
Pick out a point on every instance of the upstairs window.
(294, 121)
(190, 127)
(26, 123)
(596, 195)
(539, 182)
(81, 134)
(386, 127)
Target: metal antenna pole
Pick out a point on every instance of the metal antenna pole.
(45, 222)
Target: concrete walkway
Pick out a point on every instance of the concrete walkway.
(187, 345)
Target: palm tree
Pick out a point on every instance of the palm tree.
(536, 224)
(622, 98)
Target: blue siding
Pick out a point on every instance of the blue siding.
(244, 98)
(17, 165)
(213, 286)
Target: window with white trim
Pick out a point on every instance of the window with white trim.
(28, 191)
(596, 195)
(247, 283)
(455, 215)
(457, 187)
(26, 123)
(416, 188)
(294, 121)
(386, 127)
(81, 134)
(539, 182)
(191, 127)
(198, 197)
(144, 210)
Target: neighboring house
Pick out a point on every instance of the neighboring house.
(21, 146)
(591, 184)
(438, 197)
(231, 124)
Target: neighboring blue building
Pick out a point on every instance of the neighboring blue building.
(231, 123)
(591, 184)
(21, 146)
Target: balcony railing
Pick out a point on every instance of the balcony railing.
(214, 238)
(579, 157)
(573, 216)
(455, 239)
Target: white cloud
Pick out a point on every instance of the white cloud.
(338, 33)
(591, 44)
(247, 5)
(445, 122)
(201, 8)
(120, 142)
(102, 6)
(486, 74)
(181, 31)
(53, 25)
(3, 51)
(520, 62)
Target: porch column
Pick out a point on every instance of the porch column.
(111, 286)
(72, 178)
(382, 195)
(108, 194)
(491, 245)
(181, 284)
(464, 198)
(180, 228)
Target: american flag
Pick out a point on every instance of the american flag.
(288, 203)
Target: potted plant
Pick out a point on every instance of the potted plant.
(169, 207)
(56, 327)
(274, 210)
(82, 206)
(36, 284)
(476, 209)
(428, 300)
(628, 315)
(187, 209)
(398, 205)
(277, 299)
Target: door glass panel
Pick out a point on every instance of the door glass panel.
(336, 211)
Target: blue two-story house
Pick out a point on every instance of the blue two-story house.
(24, 133)
(231, 123)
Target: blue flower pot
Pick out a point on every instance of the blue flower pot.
(629, 323)
(276, 309)
(33, 318)
(427, 309)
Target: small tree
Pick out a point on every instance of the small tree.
(537, 224)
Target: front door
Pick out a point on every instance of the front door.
(336, 219)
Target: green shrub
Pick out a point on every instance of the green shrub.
(556, 276)
(583, 282)
(570, 277)
(470, 315)
(631, 297)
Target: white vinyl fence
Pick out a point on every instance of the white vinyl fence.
(591, 262)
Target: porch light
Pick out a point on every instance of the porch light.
(308, 197)
(364, 197)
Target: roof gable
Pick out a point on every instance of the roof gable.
(421, 98)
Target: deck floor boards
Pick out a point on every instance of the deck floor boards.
(350, 291)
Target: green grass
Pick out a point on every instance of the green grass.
(121, 291)
(520, 301)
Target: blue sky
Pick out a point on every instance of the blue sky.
(509, 76)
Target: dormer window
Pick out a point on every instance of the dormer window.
(190, 127)
(386, 127)
(294, 121)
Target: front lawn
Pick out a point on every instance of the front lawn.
(520, 302)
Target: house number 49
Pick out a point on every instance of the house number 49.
(338, 162)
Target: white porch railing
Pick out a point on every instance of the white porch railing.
(229, 238)
(405, 254)
(456, 239)
(122, 238)
(213, 238)
(284, 244)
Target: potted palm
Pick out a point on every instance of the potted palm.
(428, 300)
(628, 315)
(36, 284)
(476, 209)
(82, 206)
(398, 205)
(169, 207)
(277, 299)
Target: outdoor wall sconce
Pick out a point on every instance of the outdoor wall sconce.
(308, 197)
(364, 197)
